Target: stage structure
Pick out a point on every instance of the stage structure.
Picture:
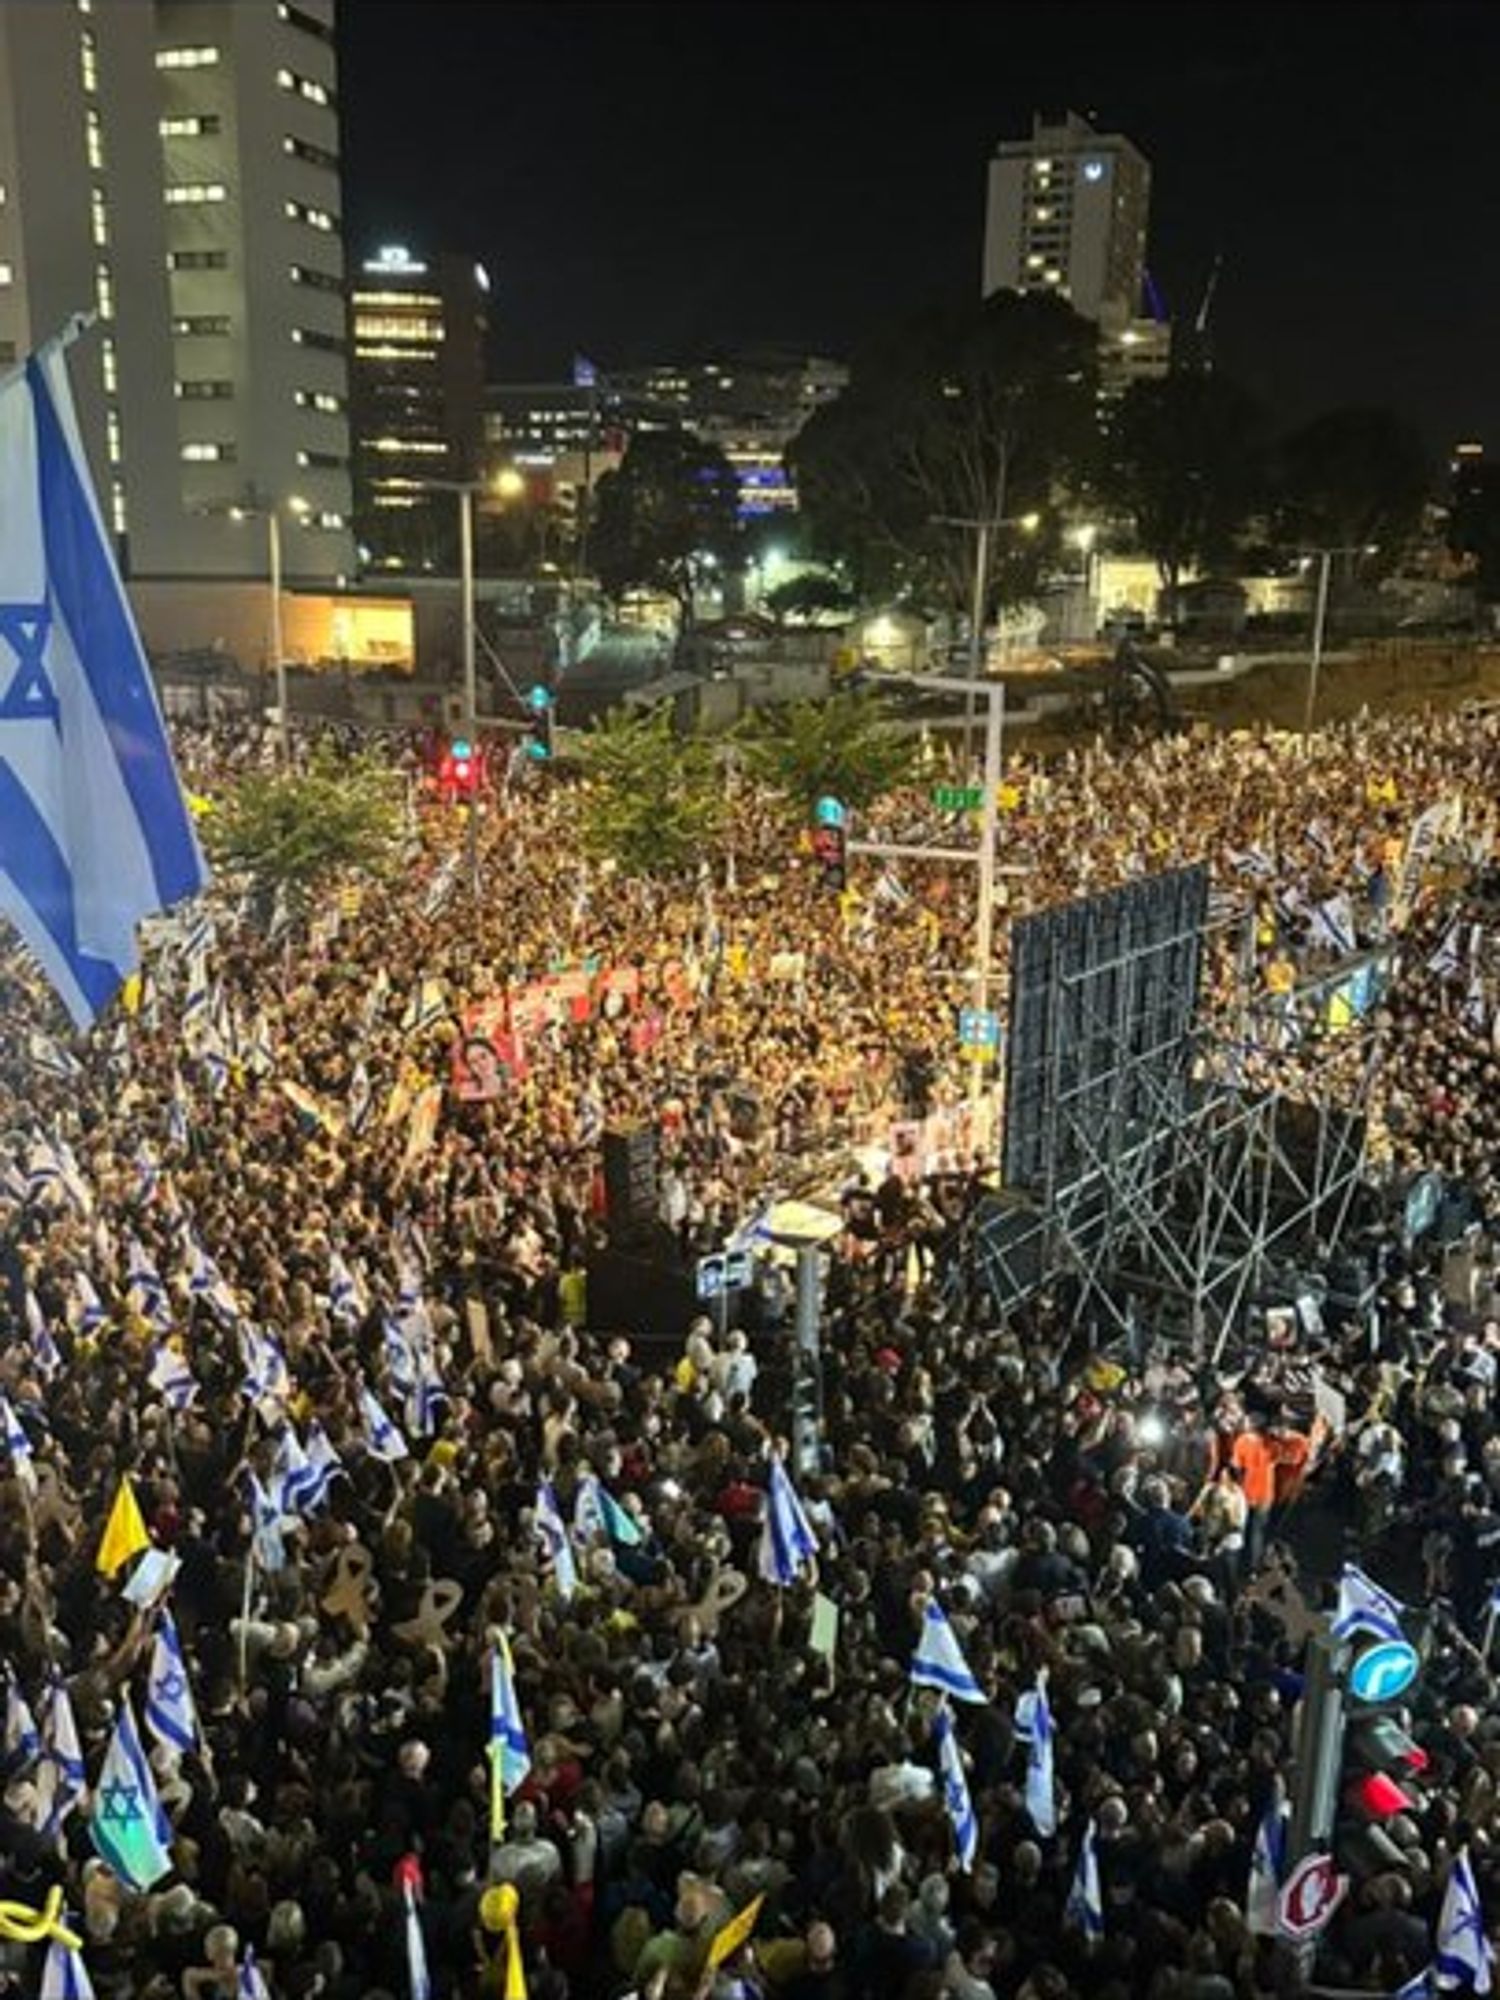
(1173, 1156)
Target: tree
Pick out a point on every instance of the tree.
(846, 746)
(1183, 459)
(651, 801)
(974, 413)
(1352, 479)
(295, 830)
(1474, 526)
(805, 595)
(673, 500)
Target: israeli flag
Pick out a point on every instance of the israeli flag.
(1267, 1866)
(1418, 1987)
(956, 1790)
(1034, 1727)
(346, 1296)
(50, 1057)
(148, 1173)
(23, 1740)
(787, 1541)
(510, 1752)
(938, 1661)
(126, 1822)
(250, 1983)
(418, 1979)
(552, 1532)
(382, 1439)
(400, 1362)
(62, 1779)
(64, 1975)
(170, 1713)
(177, 1113)
(268, 1526)
(1364, 1607)
(93, 828)
(145, 1286)
(1085, 1905)
(85, 1308)
(361, 1097)
(17, 1444)
(441, 887)
(1447, 961)
(207, 1282)
(596, 1511)
(267, 1377)
(1464, 1954)
(171, 1378)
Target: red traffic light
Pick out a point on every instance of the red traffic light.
(462, 770)
(1381, 1796)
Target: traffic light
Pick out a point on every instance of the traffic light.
(460, 768)
(538, 742)
(1382, 1767)
(829, 838)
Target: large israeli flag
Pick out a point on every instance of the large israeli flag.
(94, 833)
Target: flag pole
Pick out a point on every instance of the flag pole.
(245, 1612)
(1489, 1626)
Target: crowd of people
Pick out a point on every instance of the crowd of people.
(250, 1224)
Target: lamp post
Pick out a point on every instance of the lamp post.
(270, 511)
(1084, 537)
(1324, 559)
(983, 540)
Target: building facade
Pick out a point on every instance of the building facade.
(1067, 213)
(174, 165)
(417, 399)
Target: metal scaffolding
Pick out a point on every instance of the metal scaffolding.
(1188, 1172)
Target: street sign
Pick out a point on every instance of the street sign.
(830, 811)
(1309, 1896)
(979, 1033)
(1383, 1672)
(724, 1271)
(958, 798)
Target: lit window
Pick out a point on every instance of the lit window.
(1036, 260)
(391, 326)
(94, 139)
(7, 274)
(1054, 277)
(203, 127)
(207, 454)
(188, 58)
(112, 436)
(110, 371)
(315, 218)
(117, 507)
(191, 194)
(314, 156)
(88, 56)
(201, 325)
(104, 291)
(1042, 167)
(98, 217)
(204, 391)
(318, 281)
(1042, 215)
(3, 196)
(197, 260)
(328, 519)
(322, 461)
(319, 399)
(85, 6)
(304, 86)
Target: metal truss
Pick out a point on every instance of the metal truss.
(1190, 1174)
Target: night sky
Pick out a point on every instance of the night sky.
(651, 182)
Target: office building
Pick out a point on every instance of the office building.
(174, 165)
(417, 402)
(1067, 213)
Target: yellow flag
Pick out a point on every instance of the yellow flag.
(728, 1940)
(124, 1532)
(130, 993)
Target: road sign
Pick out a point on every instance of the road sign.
(1384, 1671)
(979, 1033)
(958, 798)
(724, 1271)
(1309, 1896)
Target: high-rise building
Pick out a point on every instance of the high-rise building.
(417, 395)
(174, 164)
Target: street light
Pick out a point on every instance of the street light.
(252, 507)
(1084, 538)
(983, 530)
(1324, 559)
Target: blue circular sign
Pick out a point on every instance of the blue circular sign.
(1383, 1672)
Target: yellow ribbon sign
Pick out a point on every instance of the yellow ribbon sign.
(25, 1925)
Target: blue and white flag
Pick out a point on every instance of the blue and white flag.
(938, 1661)
(171, 1378)
(787, 1542)
(1418, 1987)
(1267, 1866)
(418, 1979)
(61, 1779)
(268, 1526)
(1364, 1607)
(361, 1097)
(382, 1439)
(145, 1287)
(17, 1444)
(552, 1532)
(346, 1295)
(126, 1821)
(64, 1975)
(44, 1349)
(510, 1753)
(51, 1058)
(94, 831)
(85, 1307)
(1464, 1953)
(1084, 1908)
(177, 1112)
(956, 1790)
(1446, 961)
(323, 1466)
(23, 1740)
(170, 1713)
(207, 1282)
(1034, 1727)
(1332, 925)
(147, 1171)
(250, 1983)
(267, 1377)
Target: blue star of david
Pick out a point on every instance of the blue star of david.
(172, 1685)
(121, 1804)
(29, 695)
